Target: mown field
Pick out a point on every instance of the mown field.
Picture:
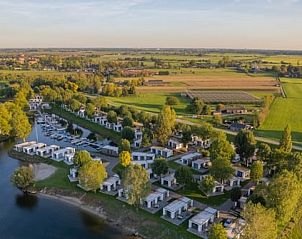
(151, 102)
(285, 111)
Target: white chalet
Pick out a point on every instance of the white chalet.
(177, 207)
(200, 222)
(161, 151)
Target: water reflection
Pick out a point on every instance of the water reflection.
(26, 201)
(93, 224)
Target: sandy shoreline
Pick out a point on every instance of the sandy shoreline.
(76, 202)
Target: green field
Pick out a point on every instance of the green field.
(285, 111)
(150, 102)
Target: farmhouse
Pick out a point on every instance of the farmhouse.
(111, 184)
(161, 151)
(189, 158)
(201, 222)
(175, 143)
(234, 110)
(110, 150)
(238, 126)
(177, 207)
(47, 151)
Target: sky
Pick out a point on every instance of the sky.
(253, 24)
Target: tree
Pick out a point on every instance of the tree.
(217, 119)
(21, 127)
(100, 102)
(257, 171)
(160, 166)
(260, 222)
(286, 140)
(196, 106)
(221, 148)
(221, 169)
(217, 231)
(236, 194)
(112, 116)
(92, 174)
(125, 158)
(90, 110)
(82, 157)
(264, 152)
(186, 134)
(165, 124)
(207, 184)
(124, 145)
(136, 183)
(127, 121)
(23, 178)
(206, 110)
(284, 192)
(183, 175)
(245, 144)
(5, 119)
(172, 100)
(75, 105)
(128, 133)
(147, 137)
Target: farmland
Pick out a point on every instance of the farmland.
(223, 96)
(285, 111)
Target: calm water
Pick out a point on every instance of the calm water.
(32, 217)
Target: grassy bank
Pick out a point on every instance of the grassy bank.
(117, 212)
(93, 127)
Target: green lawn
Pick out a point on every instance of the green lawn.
(285, 111)
(151, 102)
(192, 191)
(152, 226)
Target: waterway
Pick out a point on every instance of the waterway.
(34, 217)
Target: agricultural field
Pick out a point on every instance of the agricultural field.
(285, 111)
(223, 97)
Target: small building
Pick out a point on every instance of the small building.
(201, 222)
(59, 155)
(174, 143)
(242, 172)
(81, 113)
(35, 103)
(47, 151)
(200, 164)
(142, 156)
(155, 197)
(236, 127)
(117, 127)
(73, 175)
(168, 180)
(177, 207)
(110, 150)
(218, 188)
(203, 143)
(234, 182)
(189, 158)
(122, 194)
(161, 151)
(31, 149)
(111, 184)
(102, 120)
(234, 110)
(19, 147)
(68, 158)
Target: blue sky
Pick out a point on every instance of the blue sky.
(267, 24)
